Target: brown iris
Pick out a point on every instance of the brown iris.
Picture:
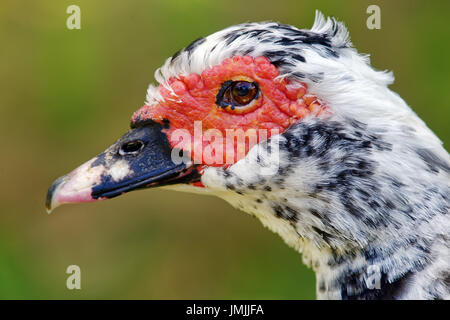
(235, 94)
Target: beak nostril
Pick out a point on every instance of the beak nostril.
(131, 147)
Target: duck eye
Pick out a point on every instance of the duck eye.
(236, 94)
(131, 147)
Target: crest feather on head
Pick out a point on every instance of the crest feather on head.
(336, 30)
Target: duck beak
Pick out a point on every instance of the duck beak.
(141, 158)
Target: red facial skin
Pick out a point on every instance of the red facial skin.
(280, 103)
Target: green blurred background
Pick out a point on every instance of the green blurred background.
(67, 94)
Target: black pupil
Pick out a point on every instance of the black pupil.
(132, 146)
(242, 88)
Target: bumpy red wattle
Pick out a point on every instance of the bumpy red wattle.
(191, 98)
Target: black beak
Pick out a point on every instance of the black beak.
(141, 158)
